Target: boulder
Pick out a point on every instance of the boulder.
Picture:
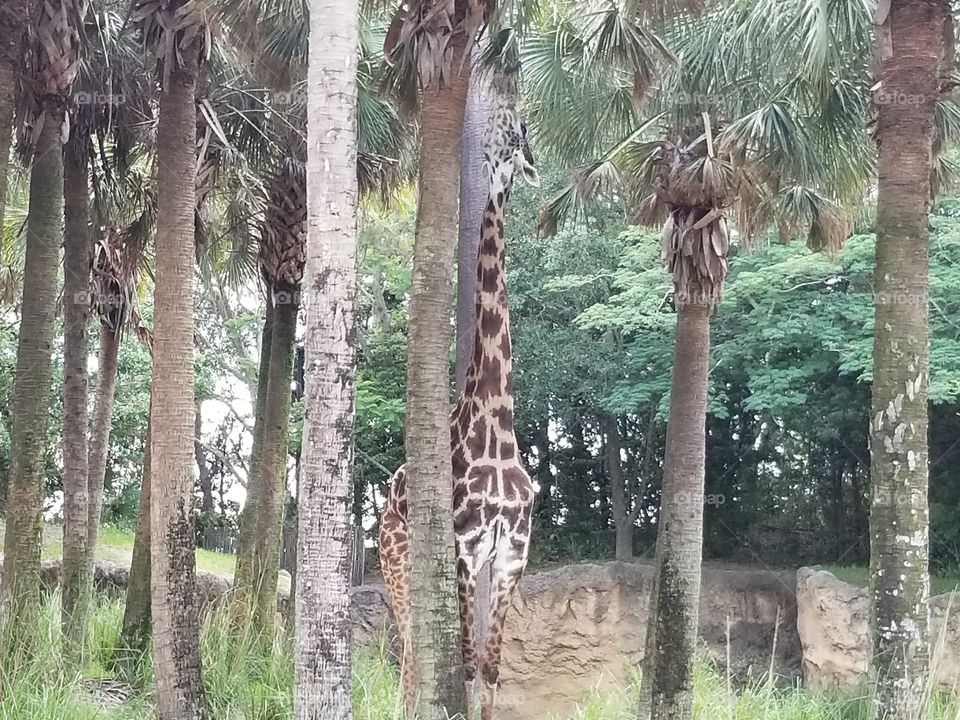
(833, 622)
(582, 627)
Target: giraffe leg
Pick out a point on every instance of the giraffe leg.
(509, 561)
(471, 558)
(395, 562)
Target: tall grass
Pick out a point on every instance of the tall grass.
(250, 677)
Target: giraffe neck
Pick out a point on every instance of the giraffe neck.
(491, 367)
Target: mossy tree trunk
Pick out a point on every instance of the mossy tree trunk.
(899, 544)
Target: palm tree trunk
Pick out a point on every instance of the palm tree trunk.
(135, 633)
(31, 396)
(77, 561)
(13, 22)
(100, 428)
(473, 199)
(322, 680)
(243, 573)
(898, 428)
(474, 191)
(176, 626)
(672, 631)
(436, 634)
(273, 467)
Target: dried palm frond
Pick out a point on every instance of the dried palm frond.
(115, 269)
(283, 236)
(694, 247)
(170, 27)
(430, 32)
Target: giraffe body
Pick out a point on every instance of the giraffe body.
(492, 492)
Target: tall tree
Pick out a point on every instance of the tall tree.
(53, 63)
(175, 613)
(77, 565)
(423, 30)
(323, 680)
(911, 37)
(13, 25)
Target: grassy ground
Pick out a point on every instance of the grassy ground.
(247, 681)
(116, 546)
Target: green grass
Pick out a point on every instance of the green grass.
(249, 679)
(859, 575)
(116, 545)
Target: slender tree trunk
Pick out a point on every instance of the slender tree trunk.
(204, 479)
(672, 630)
(243, 574)
(273, 469)
(433, 589)
(77, 561)
(31, 396)
(622, 521)
(473, 199)
(176, 626)
(323, 678)
(135, 634)
(100, 428)
(899, 544)
(13, 22)
(474, 190)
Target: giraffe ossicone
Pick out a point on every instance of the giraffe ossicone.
(492, 492)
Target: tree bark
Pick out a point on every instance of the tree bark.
(474, 191)
(473, 200)
(135, 633)
(433, 589)
(13, 22)
(77, 560)
(273, 466)
(899, 543)
(323, 680)
(672, 630)
(176, 627)
(243, 574)
(31, 396)
(622, 520)
(99, 446)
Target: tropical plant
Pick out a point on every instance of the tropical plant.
(53, 62)
(177, 33)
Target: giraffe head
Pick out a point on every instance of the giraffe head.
(507, 150)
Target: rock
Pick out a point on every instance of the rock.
(833, 621)
(582, 627)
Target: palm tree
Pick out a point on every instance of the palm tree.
(323, 679)
(911, 37)
(434, 38)
(747, 123)
(175, 614)
(266, 36)
(282, 249)
(13, 24)
(77, 563)
(53, 66)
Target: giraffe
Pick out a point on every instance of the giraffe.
(492, 492)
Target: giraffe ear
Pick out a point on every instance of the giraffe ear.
(529, 172)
